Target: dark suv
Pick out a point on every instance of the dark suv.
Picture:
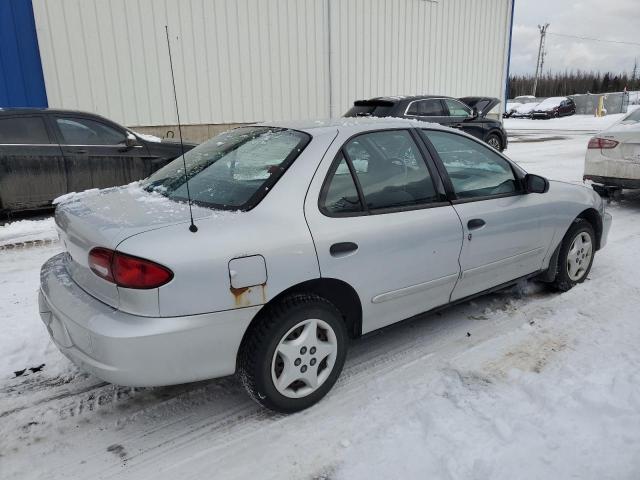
(47, 153)
(468, 114)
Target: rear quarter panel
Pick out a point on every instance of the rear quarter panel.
(275, 229)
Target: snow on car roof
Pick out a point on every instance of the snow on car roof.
(551, 102)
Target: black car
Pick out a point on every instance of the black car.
(554, 107)
(47, 153)
(468, 114)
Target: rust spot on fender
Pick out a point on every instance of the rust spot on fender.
(243, 298)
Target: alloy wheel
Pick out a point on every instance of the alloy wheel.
(494, 142)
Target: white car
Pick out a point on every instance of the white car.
(304, 235)
(525, 99)
(612, 161)
(525, 110)
(511, 108)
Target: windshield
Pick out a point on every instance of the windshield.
(232, 171)
(633, 116)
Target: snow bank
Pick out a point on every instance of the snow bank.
(27, 230)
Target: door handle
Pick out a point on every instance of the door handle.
(78, 151)
(475, 223)
(343, 248)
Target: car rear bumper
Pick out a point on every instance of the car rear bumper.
(631, 183)
(134, 350)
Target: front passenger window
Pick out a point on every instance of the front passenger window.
(457, 109)
(83, 131)
(475, 171)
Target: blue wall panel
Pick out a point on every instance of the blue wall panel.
(21, 79)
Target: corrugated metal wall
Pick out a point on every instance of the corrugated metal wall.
(248, 60)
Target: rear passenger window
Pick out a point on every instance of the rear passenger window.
(341, 195)
(390, 170)
(23, 130)
(474, 170)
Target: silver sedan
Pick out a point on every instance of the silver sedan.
(306, 235)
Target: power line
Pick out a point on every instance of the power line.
(593, 39)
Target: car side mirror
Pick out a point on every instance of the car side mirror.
(131, 140)
(535, 183)
(474, 114)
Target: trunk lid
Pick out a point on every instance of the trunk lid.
(483, 104)
(628, 134)
(104, 218)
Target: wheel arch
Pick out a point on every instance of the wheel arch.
(592, 216)
(499, 133)
(338, 292)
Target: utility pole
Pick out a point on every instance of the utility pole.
(541, 54)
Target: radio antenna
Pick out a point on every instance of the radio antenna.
(192, 227)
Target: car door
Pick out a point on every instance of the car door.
(429, 110)
(379, 220)
(507, 232)
(96, 154)
(462, 118)
(32, 170)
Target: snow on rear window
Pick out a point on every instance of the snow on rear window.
(232, 170)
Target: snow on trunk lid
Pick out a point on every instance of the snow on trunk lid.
(104, 218)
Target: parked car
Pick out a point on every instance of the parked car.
(308, 234)
(47, 153)
(554, 107)
(469, 114)
(524, 111)
(612, 161)
(511, 108)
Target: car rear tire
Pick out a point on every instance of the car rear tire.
(494, 141)
(293, 354)
(576, 255)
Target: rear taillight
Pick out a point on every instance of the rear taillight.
(126, 270)
(597, 142)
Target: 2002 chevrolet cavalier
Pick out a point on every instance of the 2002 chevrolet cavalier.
(309, 234)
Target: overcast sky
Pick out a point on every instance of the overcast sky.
(606, 19)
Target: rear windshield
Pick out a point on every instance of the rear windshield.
(232, 171)
(369, 110)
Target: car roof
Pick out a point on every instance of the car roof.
(33, 110)
(401, 98)
(352, 124)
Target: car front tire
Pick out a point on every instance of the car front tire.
(293, 354)
(576, 255)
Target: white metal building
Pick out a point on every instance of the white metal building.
(240, 61)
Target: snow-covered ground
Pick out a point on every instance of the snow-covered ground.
(546, 386)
